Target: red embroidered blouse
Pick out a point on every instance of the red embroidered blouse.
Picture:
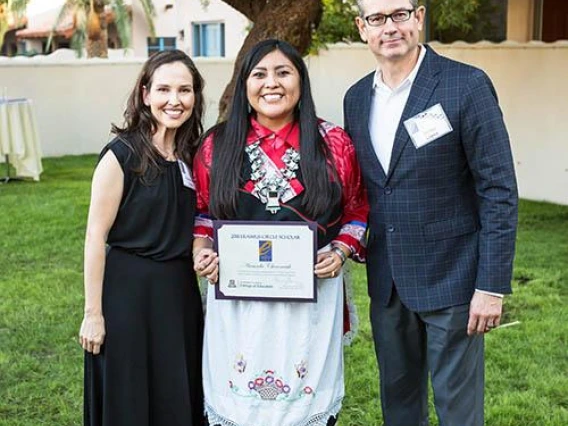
(274, 144)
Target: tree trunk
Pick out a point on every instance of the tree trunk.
(98, 48)
(290, 20)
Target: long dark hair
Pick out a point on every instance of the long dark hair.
(230, 140)
(140, 124)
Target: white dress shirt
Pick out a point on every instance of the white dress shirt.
(386, 109)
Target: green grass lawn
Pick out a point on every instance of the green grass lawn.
(42, 227)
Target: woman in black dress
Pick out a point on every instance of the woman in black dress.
(142, 327)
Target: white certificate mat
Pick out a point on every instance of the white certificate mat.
(266, 260)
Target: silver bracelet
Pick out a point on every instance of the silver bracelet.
(340, 253)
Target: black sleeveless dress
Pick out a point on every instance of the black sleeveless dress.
(149, 370)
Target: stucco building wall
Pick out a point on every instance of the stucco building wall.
(76, 100)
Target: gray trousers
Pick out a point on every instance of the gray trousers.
(409, 347)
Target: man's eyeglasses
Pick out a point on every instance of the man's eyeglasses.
(378, 19)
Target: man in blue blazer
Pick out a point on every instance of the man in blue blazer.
(437, 164)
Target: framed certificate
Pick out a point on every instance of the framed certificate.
(266, 260)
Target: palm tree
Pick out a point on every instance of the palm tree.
(90, 18)
(10, 9)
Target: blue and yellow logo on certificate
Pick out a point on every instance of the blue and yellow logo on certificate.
(265, 251)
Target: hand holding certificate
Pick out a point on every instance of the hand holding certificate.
(266, 260)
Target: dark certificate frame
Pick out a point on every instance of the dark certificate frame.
(251, 225)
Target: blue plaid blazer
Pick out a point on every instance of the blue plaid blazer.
(443, 218)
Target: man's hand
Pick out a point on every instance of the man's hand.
(484, 313)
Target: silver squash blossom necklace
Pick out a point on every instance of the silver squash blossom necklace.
(270, 189)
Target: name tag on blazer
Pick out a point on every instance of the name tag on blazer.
(186, 175)
(427, 126)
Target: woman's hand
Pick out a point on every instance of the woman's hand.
(92, 333)
(206, 264)
(328, 265)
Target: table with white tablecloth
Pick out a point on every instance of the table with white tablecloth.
(19, 139)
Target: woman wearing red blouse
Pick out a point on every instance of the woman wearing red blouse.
(277, 363)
